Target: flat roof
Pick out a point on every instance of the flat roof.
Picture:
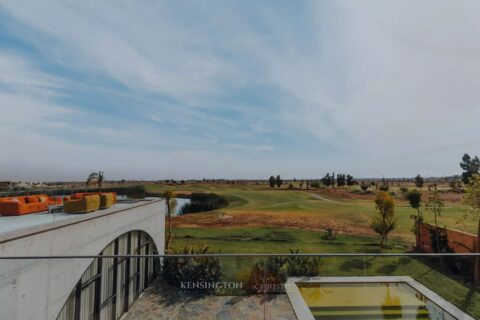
(14, 227)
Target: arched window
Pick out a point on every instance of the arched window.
(110, 285)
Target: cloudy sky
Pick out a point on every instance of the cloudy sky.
(237, 89)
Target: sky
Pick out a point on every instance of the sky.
(237, 89)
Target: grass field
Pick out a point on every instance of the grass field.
(259, 206)
(261, 220)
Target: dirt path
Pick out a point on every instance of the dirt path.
(322, 198)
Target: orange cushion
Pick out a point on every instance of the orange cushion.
(32, 199)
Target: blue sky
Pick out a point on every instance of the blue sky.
(237, 89)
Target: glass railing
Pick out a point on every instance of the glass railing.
(240, 286)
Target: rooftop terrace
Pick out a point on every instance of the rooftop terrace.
(13, 227)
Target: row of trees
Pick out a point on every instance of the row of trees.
(328, 180)
(340, 180)
(275, 181)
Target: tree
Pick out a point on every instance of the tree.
(171, 204)
(350, 181)
(327, 180)
(92, 177)
(364, 187)
(435, 205)
(96, 177)
(271, 181)
(472, 198)
(341, 180)
(455, 184)
(278, 181)
(470, 166)
(414, 197)
(384, 221)
(419, 181)
(333, 180)
(100, 178)
(314, 184)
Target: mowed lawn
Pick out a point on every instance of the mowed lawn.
(259, 206)
(260, 220)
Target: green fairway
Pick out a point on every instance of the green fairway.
(278, 240)
(353, 216)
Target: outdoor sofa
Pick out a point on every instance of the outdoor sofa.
(84, 204)
(21, 205)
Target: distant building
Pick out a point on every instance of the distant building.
(5, 184)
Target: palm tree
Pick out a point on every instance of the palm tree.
(171, 204)
(97, 177)
(91, 178)
(100, 178)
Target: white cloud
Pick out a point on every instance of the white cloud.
(392, 84)
(17, 75)
(251, 147)
(140, 46)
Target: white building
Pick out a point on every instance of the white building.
(78, 288)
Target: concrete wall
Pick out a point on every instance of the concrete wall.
(38, 289)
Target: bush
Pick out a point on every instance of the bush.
(330, 234)
(302, 266)
(201, 202)
(315, 184)
(384, 188)
(206, 270)
(271, 274)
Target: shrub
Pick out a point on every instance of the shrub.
(267, 275)
(201, 202)
(330, 234)
(302, 266)
(315, 184)
(270, 275)
(176, 271)
(384, 188)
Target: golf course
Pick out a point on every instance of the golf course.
(269, 220)
(260, 219)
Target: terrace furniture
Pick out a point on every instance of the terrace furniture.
(107, 199)
(85, 204)
(55, 208)
(21, 205)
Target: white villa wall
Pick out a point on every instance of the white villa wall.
(38, 289)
